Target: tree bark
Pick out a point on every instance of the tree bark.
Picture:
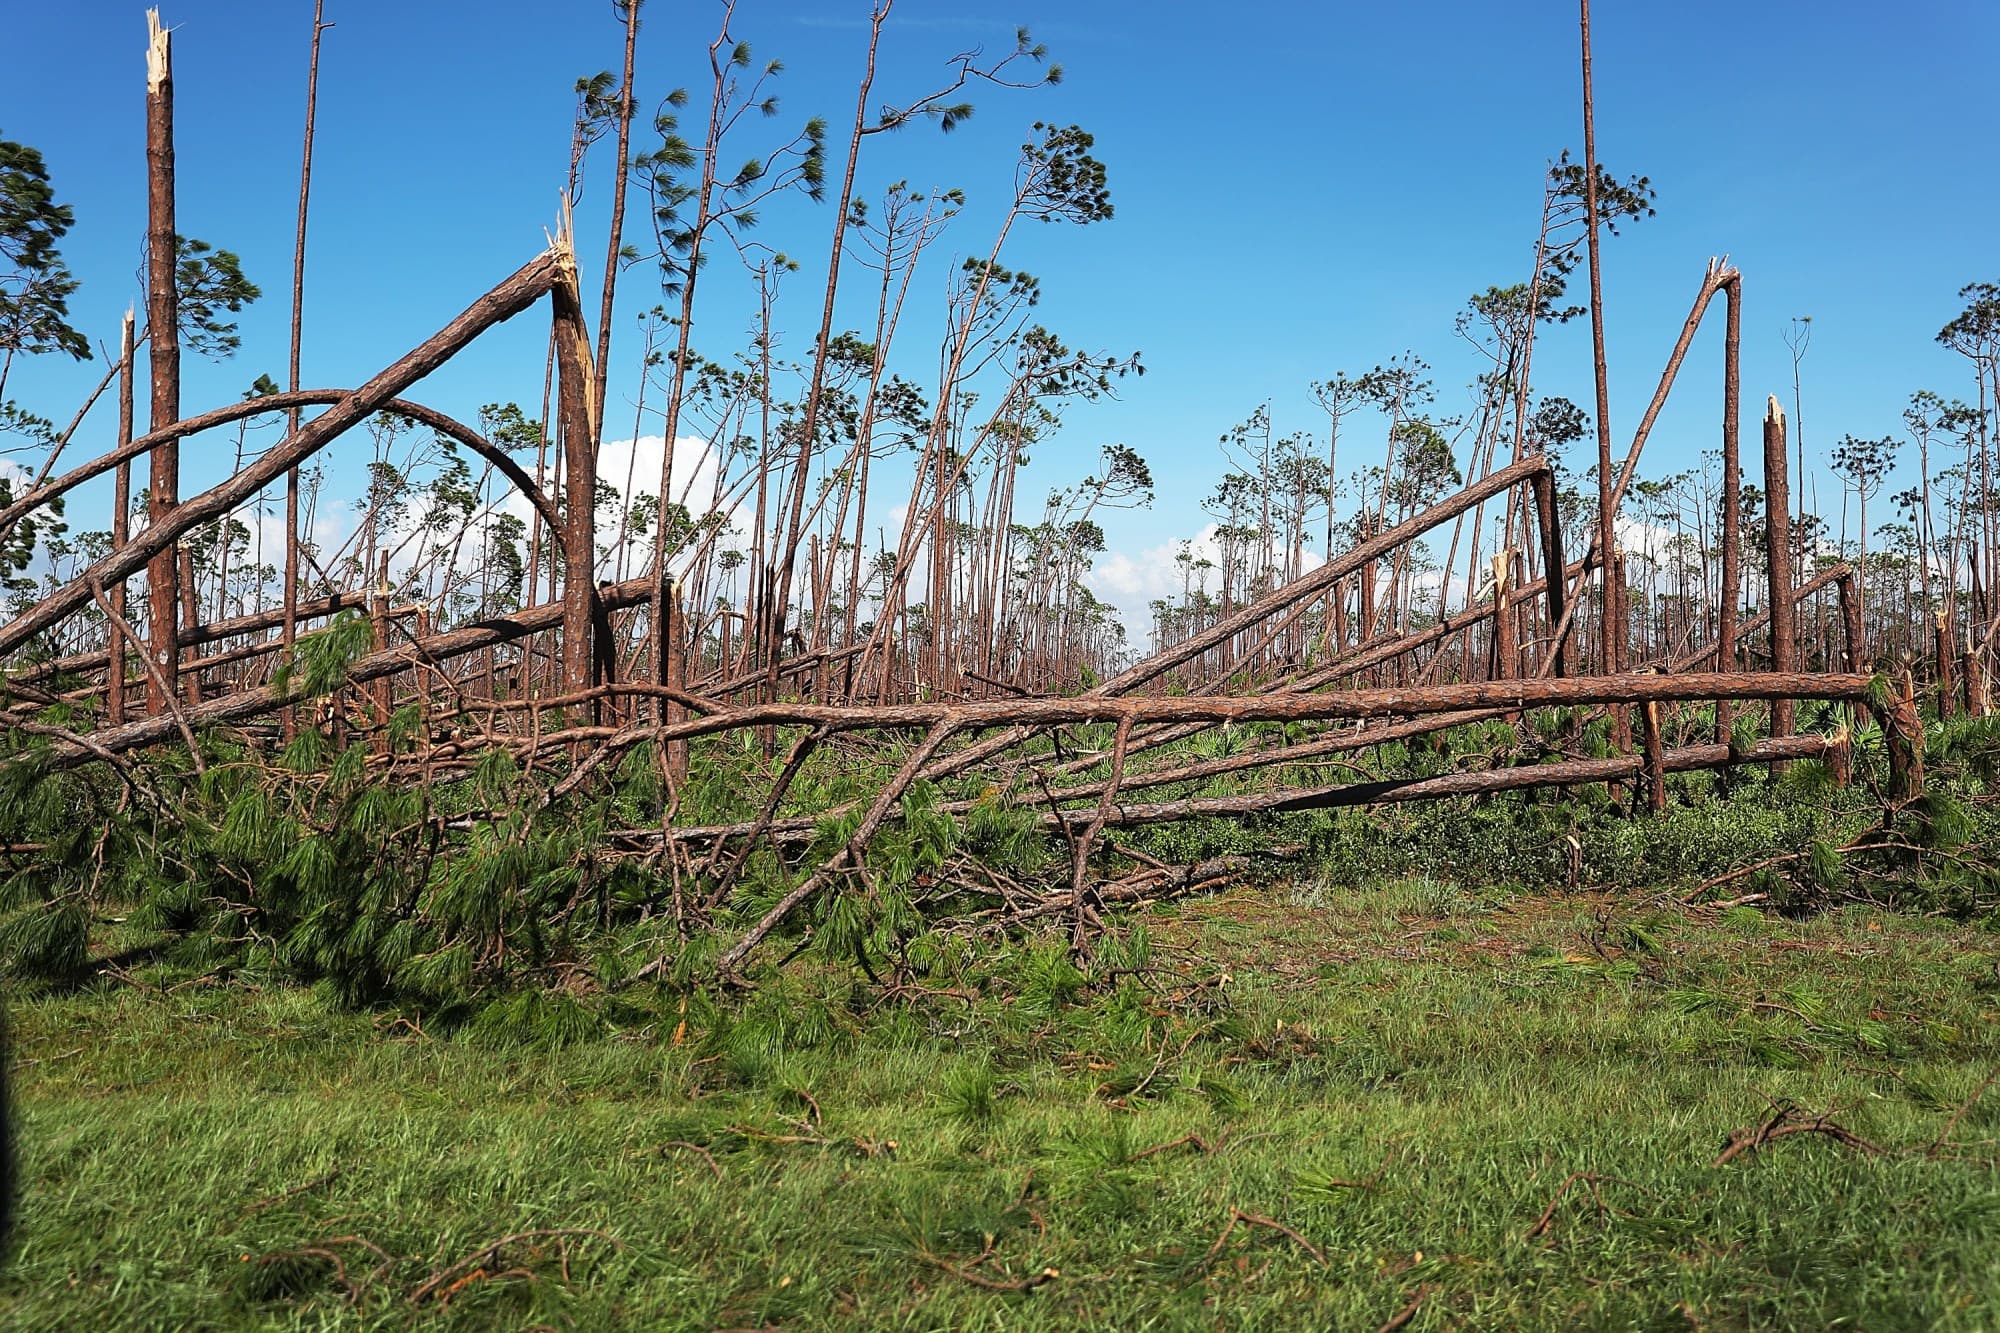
(1778, 555)
(425, 651)
(291, 590)
(578, 420)
(163, 330)
(121, 532)
(1732, 496)
(1610, 653)
(600, 380)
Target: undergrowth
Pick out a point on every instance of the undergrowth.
(485, 896)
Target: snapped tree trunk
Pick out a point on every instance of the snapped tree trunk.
(163, 330)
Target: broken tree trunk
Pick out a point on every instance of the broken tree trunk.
(1610, 655)
(1732, 499)
(1318, 580)
(163, 330)
(290, 627)
(516, 294)
(1850, 618)
(1555, 655)
(211, 632)
(1531, 469)
(1944, 653)
(1778, 558)
(577, 414)
(1695, 657)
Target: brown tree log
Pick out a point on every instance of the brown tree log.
(1568, 773)
(210, 632)
(1316, 581)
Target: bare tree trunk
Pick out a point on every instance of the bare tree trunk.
(616, 244)
(533, 281)
(673, 634)
(779, 593)
(163, 328)
(1941, 647)
(190, 616)
(382, 691)
(1611, 651)
(291, 593)
(1504, 666)
(1732, 496)
(1778, 554)
(121, 530)
(578, 418)
(1850, 618)
(1556, 655)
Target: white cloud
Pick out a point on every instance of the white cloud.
(1133, 580)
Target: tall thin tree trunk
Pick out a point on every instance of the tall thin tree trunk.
(1778, 555)
(779, 592)
(1732, 494)
(1611, 650)
(163, 328)
(616, 244)
(121, 528)
(290, 630)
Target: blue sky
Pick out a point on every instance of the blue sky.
(1300, 188)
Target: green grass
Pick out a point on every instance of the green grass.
(1403, 1077)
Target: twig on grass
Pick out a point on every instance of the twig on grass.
(1195, 1141)
(1407, 1313)
(1270, 1223)
(480, 1258)
(696, 1149)
(1937, 1144)
(1595, 1182)
(296, 1190)
(1786, 1118)
(980, 1280)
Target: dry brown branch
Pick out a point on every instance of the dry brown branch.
(1944, 1135)
(1403, 1316)
(154, 672)
(433, 648)
(1786, 1119)
(1594, 1181)
(296, 1190)
(486, 1254)
(980, 1280)
(1272, 1224)
(695, 1148)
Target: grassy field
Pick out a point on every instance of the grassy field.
(1327, 1109)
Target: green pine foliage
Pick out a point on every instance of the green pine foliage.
(320, 864)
